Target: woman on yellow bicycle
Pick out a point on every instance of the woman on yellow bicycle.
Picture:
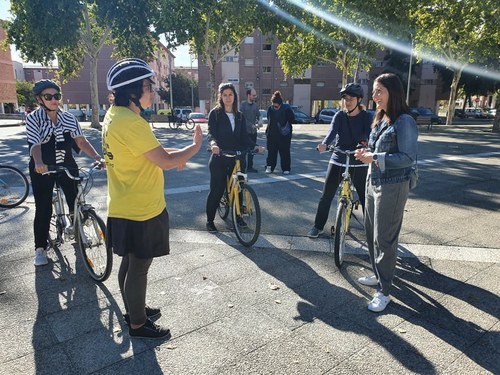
(347, 129)
(226, 131)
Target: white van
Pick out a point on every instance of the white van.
(182, 112)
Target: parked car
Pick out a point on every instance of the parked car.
(163, 112)
(473, 112)
(198, 118)
(492, 112)
(78, 113)
(102, 113)
(263, 117)
(302, 118)
(425, 112)
(325, 115)
(460, 113)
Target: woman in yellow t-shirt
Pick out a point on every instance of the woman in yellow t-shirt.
(138, 228)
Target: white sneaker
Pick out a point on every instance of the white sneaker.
(379, 302)
(286, 172)
(41, 257)
(368, 280)
(268, 170)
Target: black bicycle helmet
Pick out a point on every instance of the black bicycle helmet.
(352, 89)
(45, 84)
(127, 71)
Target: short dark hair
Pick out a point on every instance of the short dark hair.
(276, 98)
(396, 105)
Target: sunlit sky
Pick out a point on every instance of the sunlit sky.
(182, 57)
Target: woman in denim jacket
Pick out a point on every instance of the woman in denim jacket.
(391, 155)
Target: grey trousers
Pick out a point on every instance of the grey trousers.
(384, 208)
(133, 281)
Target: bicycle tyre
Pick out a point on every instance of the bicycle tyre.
(223, 208)
(14, 187)
(173, 125)
(190, 124)
(97, 257)
(341, 226)
(250, 210)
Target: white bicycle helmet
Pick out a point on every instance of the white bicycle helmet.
(127, 71)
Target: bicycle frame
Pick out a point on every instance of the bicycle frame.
(233, 185)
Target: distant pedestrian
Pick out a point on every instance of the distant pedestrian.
(138, 222)
(279, 134)
(391, 155)
(250, 111)
(52, 135)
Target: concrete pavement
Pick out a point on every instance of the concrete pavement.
(281, 307)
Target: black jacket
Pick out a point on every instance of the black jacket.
(221, 134)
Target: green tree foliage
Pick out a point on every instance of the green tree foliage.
(211, 27)
(309, 35)
(462, 32)
(184, 91)
(74, 30)
(24, 94)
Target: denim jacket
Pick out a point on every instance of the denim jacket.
(396, 150)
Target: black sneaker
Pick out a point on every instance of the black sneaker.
(211, 227)
(241, 223)
(151, 312)
(149, 330)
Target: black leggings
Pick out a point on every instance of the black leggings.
(43, 187)
(332, 180)
(133, 281)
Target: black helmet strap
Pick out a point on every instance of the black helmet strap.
(358, 101)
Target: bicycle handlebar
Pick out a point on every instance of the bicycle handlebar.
(336, 149)
(235, 154)
(55, 169)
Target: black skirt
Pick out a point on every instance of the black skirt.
(144, 239)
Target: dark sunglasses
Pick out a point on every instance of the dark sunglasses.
(50, 96)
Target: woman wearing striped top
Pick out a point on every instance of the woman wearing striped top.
(52, 135)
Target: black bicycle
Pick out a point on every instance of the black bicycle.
(14, 187)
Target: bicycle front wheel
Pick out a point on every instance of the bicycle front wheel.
(341, 228)
(190, 124)
(223, 208)
(247, 224)
(97, 258)
(173, 125)
(14, 187)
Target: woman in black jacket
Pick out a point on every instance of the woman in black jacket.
(227, 132)
(279, 134)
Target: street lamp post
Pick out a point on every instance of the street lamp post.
(409, 72)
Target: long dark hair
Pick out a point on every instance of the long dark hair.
(396, 105)
(224, 86)
(276, 98)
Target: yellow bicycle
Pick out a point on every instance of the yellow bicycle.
(345, 205)
(242, 200)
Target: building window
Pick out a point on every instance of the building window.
(283, 84)
(266, 91)
(378, 64)
(249, 85)
(320, 84)
(267, 47)
(248, 62)
(266, 69)
(428, 81)
(229, 58)
(249, 40)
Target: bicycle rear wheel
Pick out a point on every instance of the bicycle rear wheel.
(174, 125)
(247, 225)
(341, 228)
(97, 258)
(223, 208)
(190, 124)
(14, 187)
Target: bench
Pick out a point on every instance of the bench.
(420, 120)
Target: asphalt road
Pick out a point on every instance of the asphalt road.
(456, 203)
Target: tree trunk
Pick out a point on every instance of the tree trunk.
(453, 95)
(496, 120)
(94, 93)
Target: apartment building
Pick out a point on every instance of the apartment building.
(8, 96)
(255, 64)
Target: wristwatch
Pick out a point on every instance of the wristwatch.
(375, 157)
